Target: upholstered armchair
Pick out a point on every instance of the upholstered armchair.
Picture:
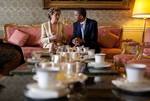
(145, 53)
(131, 50)
(142, 54)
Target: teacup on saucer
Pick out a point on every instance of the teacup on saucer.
(135, 87)
(99, 65)
(53, 86)
(36, 92)
(50, 66)
(33, 60)
(135, 72)
(100, 58)
(45, 77)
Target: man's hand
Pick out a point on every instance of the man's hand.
(77, 41)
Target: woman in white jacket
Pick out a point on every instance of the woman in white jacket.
(52, 32)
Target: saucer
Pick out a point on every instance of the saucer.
(33, 61)
(99, 65)
(124, 84)
(87, 57)
(49, 66)
(54, 87)
(52, 92)
(45, 51)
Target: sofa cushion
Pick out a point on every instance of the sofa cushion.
(146, 51)
(147, 44)
(18, 38)
(108, 40)
(110, 29)
(110, 52)
(33, 31)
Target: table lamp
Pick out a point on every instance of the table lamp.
(142, 10)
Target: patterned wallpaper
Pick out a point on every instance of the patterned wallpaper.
(21, 11)
(31, 12)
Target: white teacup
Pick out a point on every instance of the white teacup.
(56, 58)
(85, 49)
(78, 49)
(100, 58)
(135, 72)
(36, 55)
(91, 52)
(45, 64)
(46, 78)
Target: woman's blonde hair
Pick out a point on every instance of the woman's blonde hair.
(52, 10)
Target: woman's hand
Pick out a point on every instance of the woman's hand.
(52, 47)
(53, 37)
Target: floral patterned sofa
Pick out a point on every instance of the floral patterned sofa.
(28, 37)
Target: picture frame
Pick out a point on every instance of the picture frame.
(89, 4)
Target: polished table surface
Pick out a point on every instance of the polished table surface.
(12, 88)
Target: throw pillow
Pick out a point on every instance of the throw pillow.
(147, 44)
(108, 40)
(146, 51)
(18, 38)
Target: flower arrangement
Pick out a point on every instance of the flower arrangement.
(133, 46)
(131, 42)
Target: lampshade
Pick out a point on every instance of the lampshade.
(141, 9)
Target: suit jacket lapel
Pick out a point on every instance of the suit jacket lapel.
(86, 27)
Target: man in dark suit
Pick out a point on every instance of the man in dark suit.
(85, 31)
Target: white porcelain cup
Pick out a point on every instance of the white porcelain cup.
(46, 78)
(91, 52)
(45, 64)
(100, 58)
(78, 49)
(36, 55)
(135, 72)
(56, 58)
(85, 49)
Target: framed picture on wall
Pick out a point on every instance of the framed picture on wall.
(89, 4)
